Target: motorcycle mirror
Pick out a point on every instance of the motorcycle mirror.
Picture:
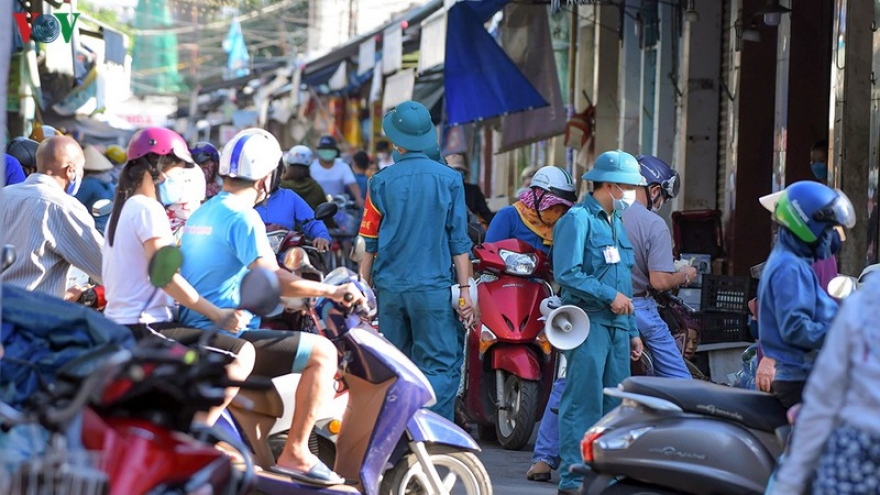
(164, 265)
(325, 211)
(102, 207)
(296, 258)
(842, 286)
(8, 256)
(358, 249)
(260, 292)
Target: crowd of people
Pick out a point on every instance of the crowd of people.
(611, 253)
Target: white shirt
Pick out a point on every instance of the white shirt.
(126, 279)
(385, 163)
(51, 231)
(844, 386)
(333, 180)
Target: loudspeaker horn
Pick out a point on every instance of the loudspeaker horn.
(567, 327)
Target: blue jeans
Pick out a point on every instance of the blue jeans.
(547, 443)
(655, 333)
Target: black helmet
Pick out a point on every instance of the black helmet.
(24, 150)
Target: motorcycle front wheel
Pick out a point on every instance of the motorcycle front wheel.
(515, 420)
(461, 472)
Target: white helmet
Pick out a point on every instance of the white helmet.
(556, 181)
(299, 155)
(252, 154)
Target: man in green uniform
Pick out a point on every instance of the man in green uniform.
(592, 262)
(415, 227)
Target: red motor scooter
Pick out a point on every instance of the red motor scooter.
(509, 363)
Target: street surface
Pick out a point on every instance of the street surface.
(507, 469)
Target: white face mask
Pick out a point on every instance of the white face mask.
(626, 200)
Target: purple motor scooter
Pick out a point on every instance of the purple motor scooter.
(387, 443)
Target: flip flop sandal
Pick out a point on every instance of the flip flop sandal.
(320, 475)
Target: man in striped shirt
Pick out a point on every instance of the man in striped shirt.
(49, 228)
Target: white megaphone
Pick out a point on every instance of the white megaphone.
(565, 327)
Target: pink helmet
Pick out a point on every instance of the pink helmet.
(160, 141)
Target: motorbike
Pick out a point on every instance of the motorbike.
(509, 363)
(386, 442)
(295, 253)
(684, 436)
(120, 421)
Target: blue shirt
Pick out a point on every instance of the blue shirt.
(287, 209)
(794, 312)
(416, 221)
(507, 224)
(362, 181)
(14, 172)
(580, 238)
(220, 240)
(91, 190)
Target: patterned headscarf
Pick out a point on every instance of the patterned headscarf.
(547, 199)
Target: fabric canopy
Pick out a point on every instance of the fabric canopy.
(481, 82)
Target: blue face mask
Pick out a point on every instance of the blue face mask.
(73, 186)
(829, 244)
(820, 170)
(395, 155)
(171, 191)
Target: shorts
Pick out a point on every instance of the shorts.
(278, 352)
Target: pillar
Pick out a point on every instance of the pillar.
(850, 119)
(697, 138)
(585, 61)
(630, 86)
(809, 80)
(666, 90)
(606, 94)
(749, 226)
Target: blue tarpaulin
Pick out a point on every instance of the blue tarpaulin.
(481, 81)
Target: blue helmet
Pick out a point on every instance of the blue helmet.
(656, 171)
(616, 167)
(204, 151)
(808, 208)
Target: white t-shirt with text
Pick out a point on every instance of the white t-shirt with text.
(125, 266)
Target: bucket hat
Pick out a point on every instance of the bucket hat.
(617, 167)
(409, 126)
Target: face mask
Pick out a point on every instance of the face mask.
(395, 155)
(625, 201)
(653, 200)
(828, 244)
(836, 242)
(73, 186)
(171, 191)
(327, 155)
(820, 170)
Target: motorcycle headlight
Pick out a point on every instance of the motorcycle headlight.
(518, 263)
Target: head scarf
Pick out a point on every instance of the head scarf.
(547, 200)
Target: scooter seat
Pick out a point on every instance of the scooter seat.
(752, 409)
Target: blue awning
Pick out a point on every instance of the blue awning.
(481, 81)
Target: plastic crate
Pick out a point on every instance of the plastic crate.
(723, 327)
(727, 294)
